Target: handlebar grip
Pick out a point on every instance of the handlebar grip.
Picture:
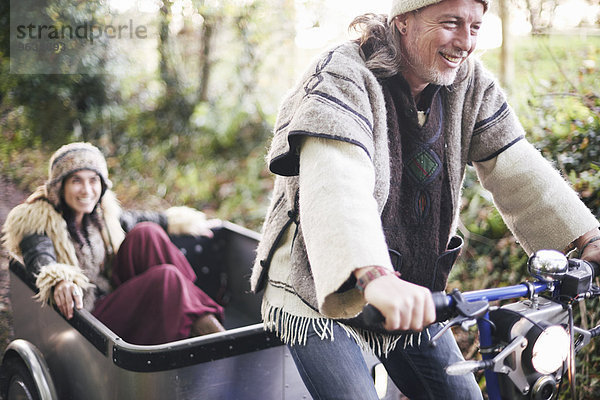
(441, 302)
(373, 317)
(595, 268)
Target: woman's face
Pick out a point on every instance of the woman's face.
(82, 191)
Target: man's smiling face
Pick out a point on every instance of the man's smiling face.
(437, 39)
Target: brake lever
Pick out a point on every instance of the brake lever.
(466, 311)
(453, 322)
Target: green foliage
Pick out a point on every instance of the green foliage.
(52, 108)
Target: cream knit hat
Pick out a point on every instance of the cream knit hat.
(71, 158)
(404, 6)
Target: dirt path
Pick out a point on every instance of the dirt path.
(10, 196)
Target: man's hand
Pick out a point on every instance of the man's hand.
(404, 305)
(66, 296)
(590, 244)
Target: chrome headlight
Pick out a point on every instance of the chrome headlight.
(550, 349)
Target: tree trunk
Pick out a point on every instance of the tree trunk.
(166, 72)
(205, 62)
(507, 64)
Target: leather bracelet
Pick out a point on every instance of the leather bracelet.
(592, 240)
(372, 274)
(572, 246)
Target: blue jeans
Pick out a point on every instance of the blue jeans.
(336, 369)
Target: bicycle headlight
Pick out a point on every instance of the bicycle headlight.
(550, 348)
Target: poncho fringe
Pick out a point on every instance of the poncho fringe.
(293, 330)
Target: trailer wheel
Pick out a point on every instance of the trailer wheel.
(17, 382)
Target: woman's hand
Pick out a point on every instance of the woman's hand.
(204, 227)
(189, 221)
(404, 305)
(66, 296)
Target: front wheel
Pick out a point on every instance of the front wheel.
(16, 381)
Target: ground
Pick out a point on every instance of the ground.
(10, 196)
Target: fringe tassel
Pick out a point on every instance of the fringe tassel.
(293, 329)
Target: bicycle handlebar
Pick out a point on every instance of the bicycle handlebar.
(441, 302)
(444, 303)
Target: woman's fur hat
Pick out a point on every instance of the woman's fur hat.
(71, 158)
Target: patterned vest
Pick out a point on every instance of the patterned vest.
(418, 214)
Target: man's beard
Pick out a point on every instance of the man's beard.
(430, 73)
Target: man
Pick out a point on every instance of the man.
(370, 150)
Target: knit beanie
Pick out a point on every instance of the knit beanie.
(403, 6)
(71, 158)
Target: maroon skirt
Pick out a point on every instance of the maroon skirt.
(155, 300)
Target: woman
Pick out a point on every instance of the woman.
(88, 253)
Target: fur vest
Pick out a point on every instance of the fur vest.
(38, 216)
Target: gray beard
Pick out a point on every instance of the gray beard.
(438, 78)
(428, 73)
